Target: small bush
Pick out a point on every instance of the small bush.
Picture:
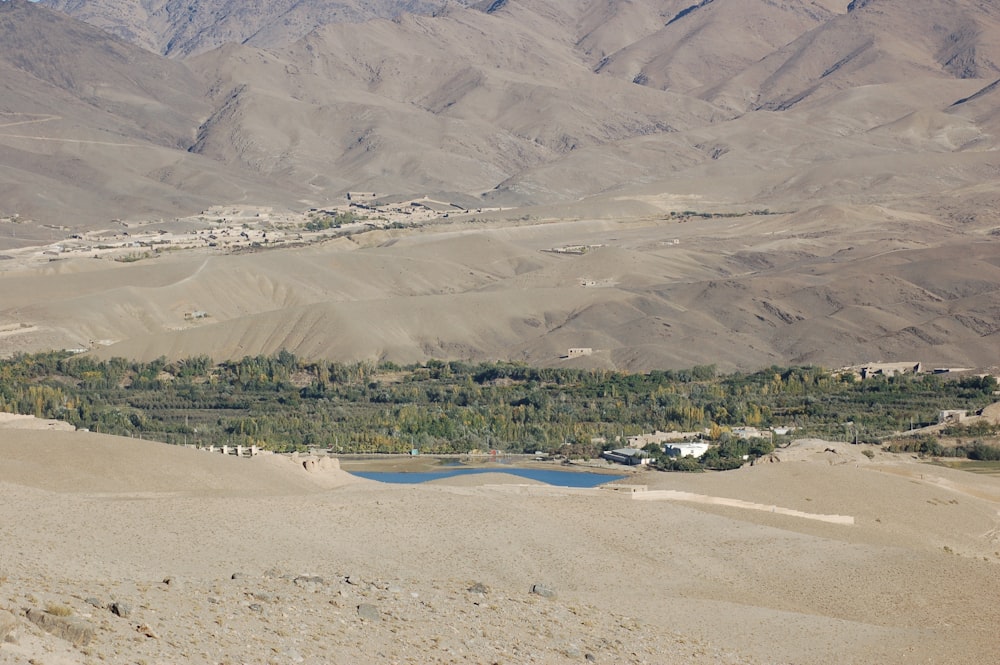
(58, 610)
(923, 445)
(984, 452)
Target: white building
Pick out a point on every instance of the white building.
(952, 416)
(692, 448)
(643, 440)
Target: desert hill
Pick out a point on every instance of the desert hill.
(739, 292)
(163, 552)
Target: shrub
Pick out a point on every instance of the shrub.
(984, 452)
(58, 610)
(922, 445)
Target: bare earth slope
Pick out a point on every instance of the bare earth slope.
(700, 46)
(871, 131)
(93, 128)
(454, 103)
(740, 292)
(875, 42)
(534, 102)
(912, 579)
(175, 28)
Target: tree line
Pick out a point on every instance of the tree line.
(285, 403)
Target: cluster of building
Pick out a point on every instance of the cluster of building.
(404, 209)
(680, 444)
(870, 370)
(638, 456)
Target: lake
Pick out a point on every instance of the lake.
(550, 477)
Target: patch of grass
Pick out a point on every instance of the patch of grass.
(58, 610)
(989, 468)
(134, 256)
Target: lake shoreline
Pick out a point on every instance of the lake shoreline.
(440, 463)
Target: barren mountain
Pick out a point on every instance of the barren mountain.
(870, 129)
(704, 44)
(179, 28)
(460, 102)
(875, 42)
(538, 102)
(92, 127)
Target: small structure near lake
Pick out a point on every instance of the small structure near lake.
(627, 456)
(692, 448)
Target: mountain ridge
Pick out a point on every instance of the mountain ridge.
(746, 212)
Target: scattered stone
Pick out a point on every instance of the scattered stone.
(303, 580)
(144, 629)
(172, 582)
(212, 599)
(263, 596)
(256, 607)
(394, 589)
(238, 576)
(95, 602)
(369, 612)
(543, 591)
(70, 629)
(310, 584)
(273, 572)
(590, 657)
(353, 580)
(478, 587)
(572, 652)
(118, 608)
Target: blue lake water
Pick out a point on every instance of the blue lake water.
(557, 478)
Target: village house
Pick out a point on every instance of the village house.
(890, 369)
(627, 456)
(952, 416)
(658, 437)
(692, 448)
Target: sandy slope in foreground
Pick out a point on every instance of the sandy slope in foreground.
(663, 581)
